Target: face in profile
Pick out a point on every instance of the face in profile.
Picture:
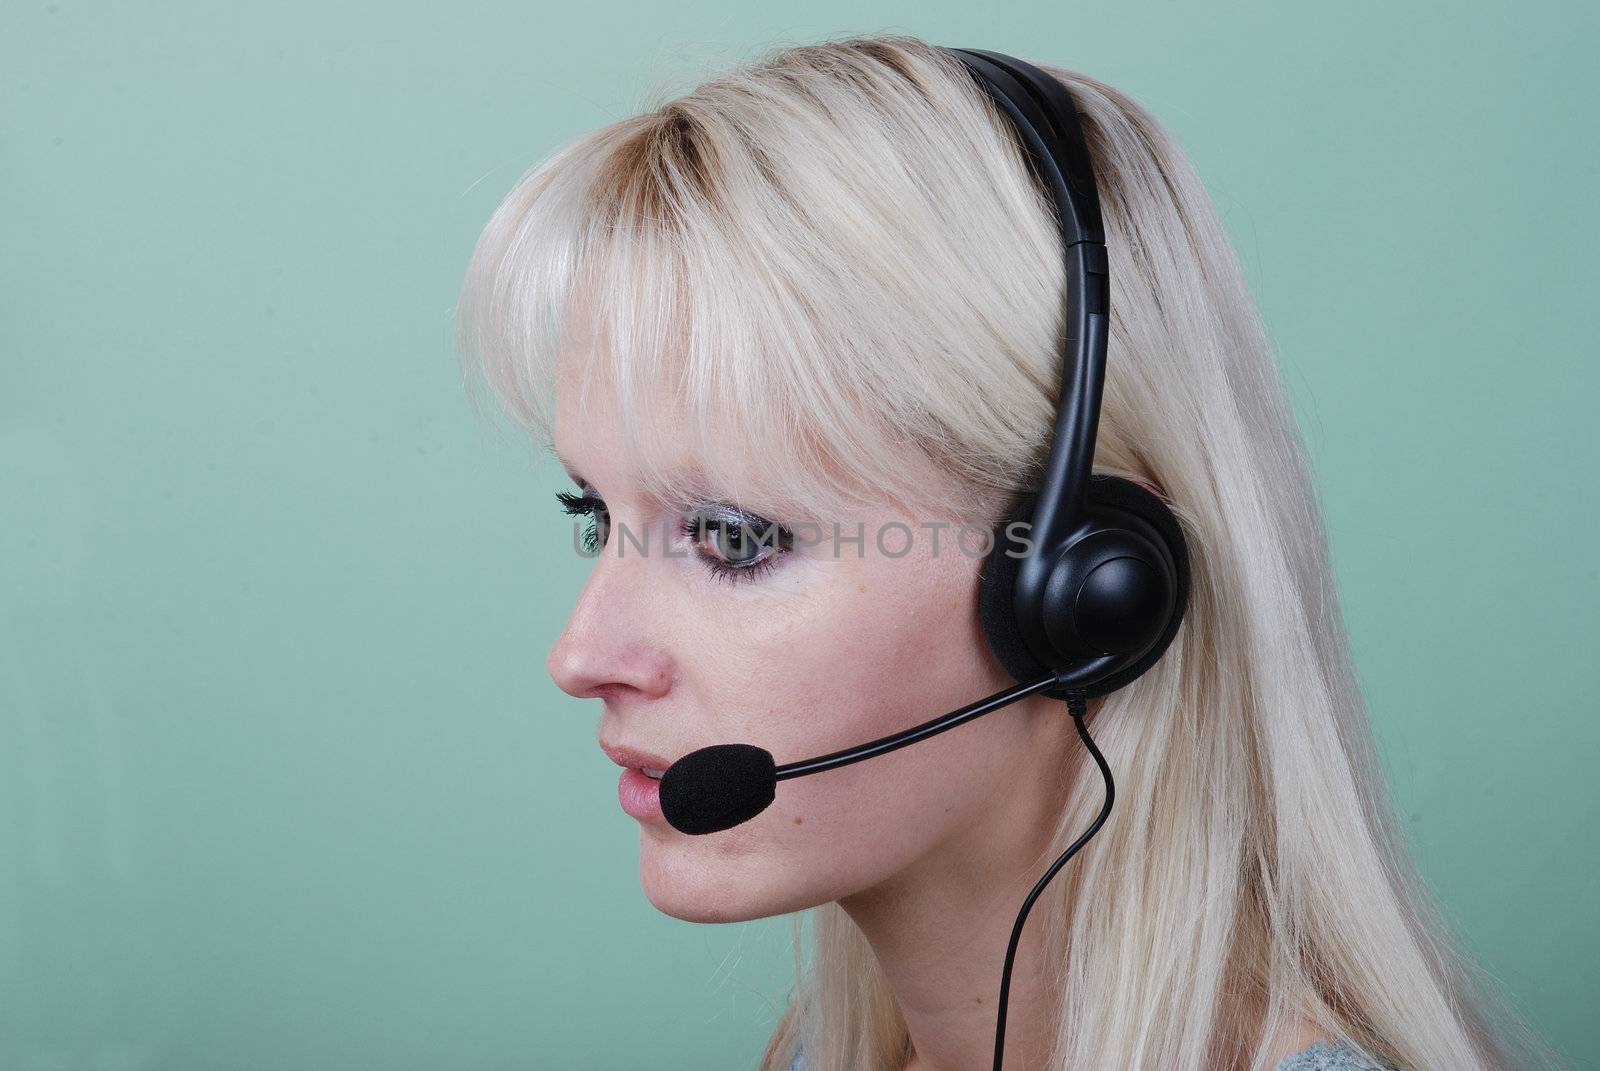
(718, 637)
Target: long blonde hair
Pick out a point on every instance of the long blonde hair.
(836, 255)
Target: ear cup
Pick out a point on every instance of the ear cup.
(1113, 503)
(995, 607)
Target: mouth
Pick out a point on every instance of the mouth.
(651, 764)
(639, 792)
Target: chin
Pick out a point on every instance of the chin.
(700, 886)
(691, 908)
(707, 901)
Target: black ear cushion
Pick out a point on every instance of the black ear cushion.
(998, 578)
(1113, 500)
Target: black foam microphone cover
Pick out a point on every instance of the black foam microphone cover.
(718, 787)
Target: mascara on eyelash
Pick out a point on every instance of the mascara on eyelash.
(712, 514)
(696, 526)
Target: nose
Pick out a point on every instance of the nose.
(610, 646)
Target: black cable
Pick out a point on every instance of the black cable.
(1076, 705)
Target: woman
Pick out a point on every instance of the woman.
(822, 294)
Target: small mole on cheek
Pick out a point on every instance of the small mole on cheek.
(798, 820)
(977, 1000)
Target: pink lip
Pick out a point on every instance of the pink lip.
(639, 795)
(638, 760)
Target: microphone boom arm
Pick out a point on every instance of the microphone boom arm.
(938, 725)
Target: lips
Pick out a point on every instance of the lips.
(650, 763)
(640, 796)
(639, 788)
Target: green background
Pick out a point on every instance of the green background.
(283, 782)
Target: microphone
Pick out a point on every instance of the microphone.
(721, 786)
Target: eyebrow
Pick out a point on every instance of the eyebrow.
(572, 474)
(704, 500)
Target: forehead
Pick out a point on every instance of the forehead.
(657, 462)
(650, 425)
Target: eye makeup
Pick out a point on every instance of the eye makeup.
(587, 505)
(726, 540)
(739, 536)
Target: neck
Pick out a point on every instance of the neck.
(940, 928)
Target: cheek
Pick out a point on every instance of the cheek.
(802, 685)
(864, 822)
(825, 836)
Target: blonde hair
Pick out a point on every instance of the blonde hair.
(836, 258)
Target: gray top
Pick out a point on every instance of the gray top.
(1328, 1055)
(1323, 1056)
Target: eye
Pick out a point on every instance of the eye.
(587, 505)
(737, 547)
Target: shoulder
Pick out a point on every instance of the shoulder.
(1330, 1056)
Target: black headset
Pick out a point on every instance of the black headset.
(1094, 590)
(1102, 592)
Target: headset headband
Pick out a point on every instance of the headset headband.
(1042, 111)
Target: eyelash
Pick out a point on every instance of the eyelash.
(586, 505)
(583, 506)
